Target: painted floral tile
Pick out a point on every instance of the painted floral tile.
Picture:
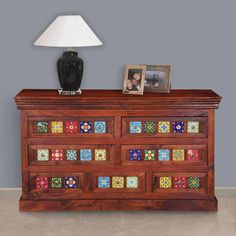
(71, 127)
(104, 182)
(131, 182)
(178, 155)
(85, 154)
(135, 127)
(149, 127)
(71, 155)
(135, 155)
(165, 182)
(100, 154)
(57, 155)
(42, 182)
(180, 182)
(42, 155)
(149, 155)
(57, 127)
(163, 127)
(100, 127)
(193, 127)
(192, 155)
(71, 182)
(117, 182)
(164, 154)
(85, 127)
(178, 127)
(56, 182)
(194, 182)
(41, 127)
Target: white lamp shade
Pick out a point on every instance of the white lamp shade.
(68, 31)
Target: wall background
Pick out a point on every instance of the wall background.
(197, 37)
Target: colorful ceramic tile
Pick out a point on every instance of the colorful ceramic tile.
(42, 182)
(71, 155)
(135, 127)
(149, 155)
(194, 182)
(163, 154)
(193, 127)
(180, 182)
(178, 155)
(178, 127)
(100, 154)
(71, 127)
(85, 154)
(100, 127)
(117, 182)
(192, 155)
(135, 155)
(149, 127)
(56, 182)
(42, 155)
(104, 182)
(57, 155)
(131, 182)
(57, 127)
(165, 182)
(85, 127)
(71, 182)
(163, 127)
(41, 126)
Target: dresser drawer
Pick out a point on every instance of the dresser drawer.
(73, 126)
(164, 155)
(164, 127)
(118, 182)
(41, 155)
(56, 185)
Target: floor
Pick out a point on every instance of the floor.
(221, 223)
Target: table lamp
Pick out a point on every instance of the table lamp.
(69, 31)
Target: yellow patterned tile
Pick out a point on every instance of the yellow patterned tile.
(165, 182)
(57, 127)
(163, 127)
(118, 182)
(100, 154)
(178, 155)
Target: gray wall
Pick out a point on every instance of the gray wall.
(197, 37)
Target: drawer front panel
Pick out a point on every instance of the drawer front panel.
(180, 185)
(71, 155)
(190, 155)
(74, 126)
(118, 182)
(164, 127)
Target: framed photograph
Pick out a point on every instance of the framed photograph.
(134, 79)
(157, 78)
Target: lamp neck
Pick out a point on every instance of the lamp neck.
(70, 50)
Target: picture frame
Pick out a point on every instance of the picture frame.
(134, 79)
(157, 78)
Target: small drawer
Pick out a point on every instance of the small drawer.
(164, 155)
(164, 127)
(123, 182)
(76, 126)
(50, 155)
(180, 185)
(56, 185)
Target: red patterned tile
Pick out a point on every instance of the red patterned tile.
(71, 127)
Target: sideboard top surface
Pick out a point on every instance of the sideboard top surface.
(114, 99)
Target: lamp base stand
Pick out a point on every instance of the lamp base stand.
(69, 93)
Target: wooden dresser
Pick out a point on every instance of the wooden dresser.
(104, 150)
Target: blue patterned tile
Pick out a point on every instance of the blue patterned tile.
(85, 127)
(85, 154)
(135, 155)
(71, 182)
(163, 154)
(100, 127)
(104, 182)
(135, 127)
(178, 127)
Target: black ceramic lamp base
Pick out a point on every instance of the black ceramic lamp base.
(70, 72)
